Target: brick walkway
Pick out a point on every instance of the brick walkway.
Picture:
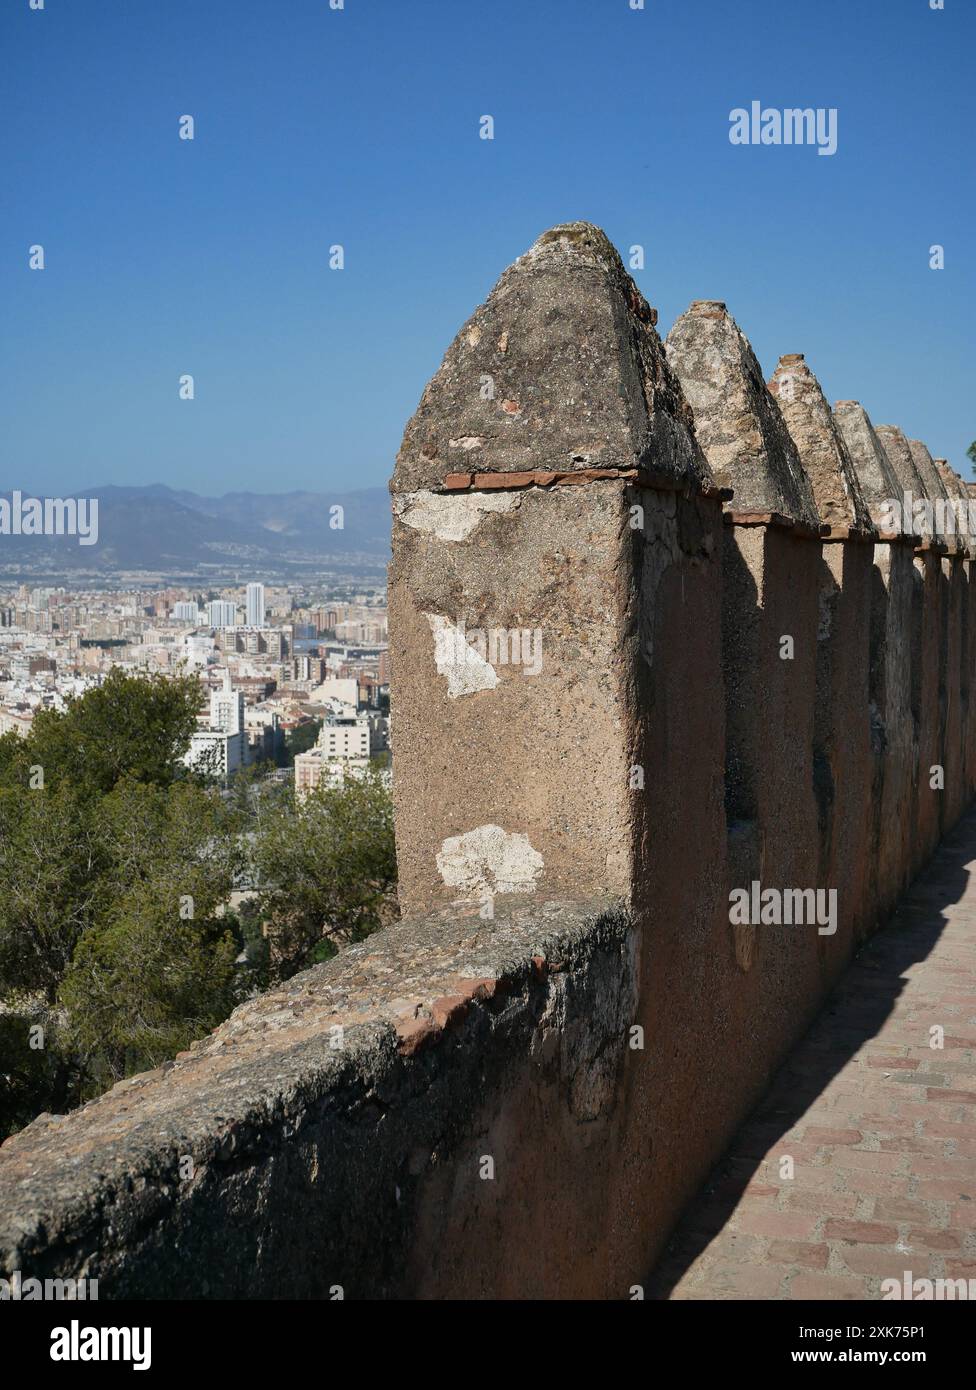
(881, 1127)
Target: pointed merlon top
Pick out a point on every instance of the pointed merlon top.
(939, 490)
(929, 472)
(953, 483)
(738, 423)
(905, 470)
(562, 370)
(879, 484)
(962, 495)
(821, 447)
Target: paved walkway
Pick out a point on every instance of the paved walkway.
(881, 1127)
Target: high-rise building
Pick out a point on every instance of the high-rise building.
(255, 605)
(227, 708)
(186, 612)
(221, 613)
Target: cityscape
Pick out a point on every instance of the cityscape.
(270, 660)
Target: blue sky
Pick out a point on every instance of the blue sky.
(360, 127)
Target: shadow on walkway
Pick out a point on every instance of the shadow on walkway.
(853, 1014)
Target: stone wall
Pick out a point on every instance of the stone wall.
(655, 639)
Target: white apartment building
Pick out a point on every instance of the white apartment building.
(227, 708)
(255, 605)
(222, 748)
(316, 766)
(345, 737)
(221, 613)
(216, 752)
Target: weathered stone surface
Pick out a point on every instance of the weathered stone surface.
(943, 497)
(566, 346)
(822, 451)
(952, 481)
(903, 466)
(270, 1163)
(737, 422)
(894, 595)
(935, 485)
(879, 484)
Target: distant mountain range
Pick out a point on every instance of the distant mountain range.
(161, 529)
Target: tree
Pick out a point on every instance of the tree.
(50, 867)
(301, 739)
(326, 868)
(130, 726)
(116, 866)
(971, 454)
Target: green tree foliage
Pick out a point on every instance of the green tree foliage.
(301, 739)
(131, 726)
(118, 945)
(326, 869)
(105, 842)
(156, 969)
(971, 454)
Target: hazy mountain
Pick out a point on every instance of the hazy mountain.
(158, 528)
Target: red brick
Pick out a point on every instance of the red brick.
(827, 1287)
(935, 1240)
(745, 1281)
(902, 1144)
(816, 1135)
(902, 1209)
(945, 1129)
(932, 1166)
(875, 1184)
(876, 1162)
(789, 1224)
(882, 1263)
(798, 1252)
(805, 1175)
(861, 1232)
(828, 1203)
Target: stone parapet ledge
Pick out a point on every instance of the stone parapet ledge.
(292, 1151)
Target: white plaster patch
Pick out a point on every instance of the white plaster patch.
(451, 516)
(489, 860)
(465, 668)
